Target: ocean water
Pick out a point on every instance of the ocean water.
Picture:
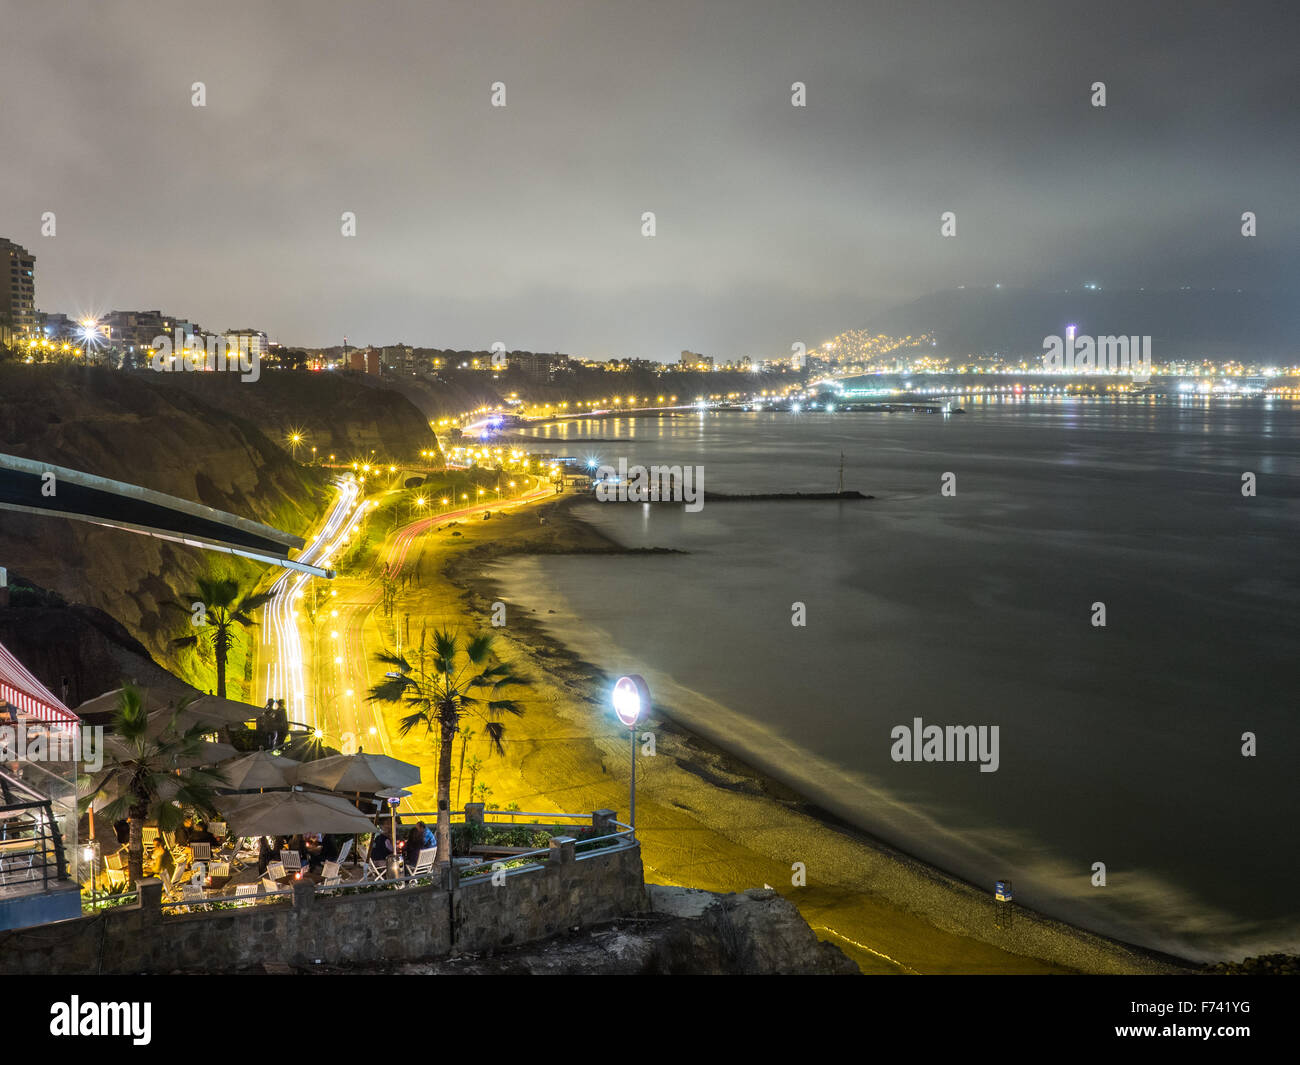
(1119, 744)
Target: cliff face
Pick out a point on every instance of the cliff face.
(74, 650)
(198, 436)
(342, 414)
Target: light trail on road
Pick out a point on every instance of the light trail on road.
(343, 716)
(284, 673)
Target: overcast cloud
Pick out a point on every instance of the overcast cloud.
(523, 224)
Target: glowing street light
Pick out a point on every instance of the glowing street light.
(631, 699)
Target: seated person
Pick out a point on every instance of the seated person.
(331, 845)
(314, 847)
(159, 863)
(265, 853)
(299, 844)
(420, 839)
(381, 849)
(201, 834)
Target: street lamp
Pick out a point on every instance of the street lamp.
(631, 698)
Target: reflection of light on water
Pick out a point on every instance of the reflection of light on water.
(700, 621)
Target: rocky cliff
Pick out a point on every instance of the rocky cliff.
(202, 437)
(685, 932)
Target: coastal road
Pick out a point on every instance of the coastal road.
(283, 674)
(348, 631)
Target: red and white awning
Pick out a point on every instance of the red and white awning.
(32, 699)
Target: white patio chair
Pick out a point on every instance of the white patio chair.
(344, 851)
(115, 869)
(150, 836)
(372, 873)
(424, 863)
(276, 871)
(330, 874)
(179, 878)
(191, 893)
(218, 829)
(180, 856)
(202, 851)
(291, 860)
(268, 885)
(216, 869)
(245, 891)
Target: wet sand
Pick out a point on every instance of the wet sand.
(705, 818)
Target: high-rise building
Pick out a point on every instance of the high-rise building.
(17, 292)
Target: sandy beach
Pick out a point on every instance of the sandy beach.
(705, 819)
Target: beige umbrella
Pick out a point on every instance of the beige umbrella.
(227, 711)
(261, 769)
(185, 720)
(358, 773)
(229, 804)
(162, 702)
(154, 697)
(206, 754)
(286, 813)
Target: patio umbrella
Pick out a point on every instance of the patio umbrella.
(358, 773)
(229, 804)
(287, 813)
(229, 711)
(163, 702)
(206, 754)
(154, 697)
(261, 769)
(185, 720)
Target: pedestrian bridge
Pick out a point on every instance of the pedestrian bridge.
(42, 488)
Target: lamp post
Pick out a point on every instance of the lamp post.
(631, 698)
(88, 855)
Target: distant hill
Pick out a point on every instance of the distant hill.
(1182, 323)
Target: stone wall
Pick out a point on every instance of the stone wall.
(366, 927)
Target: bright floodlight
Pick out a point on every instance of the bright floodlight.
(631, 699)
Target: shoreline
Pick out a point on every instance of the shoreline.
(859, 887)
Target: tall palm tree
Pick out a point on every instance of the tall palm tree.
(151, 776)
(226, 605)
(458, 678)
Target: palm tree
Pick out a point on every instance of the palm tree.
(465, 736)
(475, 764)
(460, 678)
(151, 776)
(226, 605)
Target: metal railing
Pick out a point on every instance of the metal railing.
(31, 848)
(467, 873)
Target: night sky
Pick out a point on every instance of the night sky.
(523, 224)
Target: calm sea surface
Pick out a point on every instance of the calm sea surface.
(1120, 744)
